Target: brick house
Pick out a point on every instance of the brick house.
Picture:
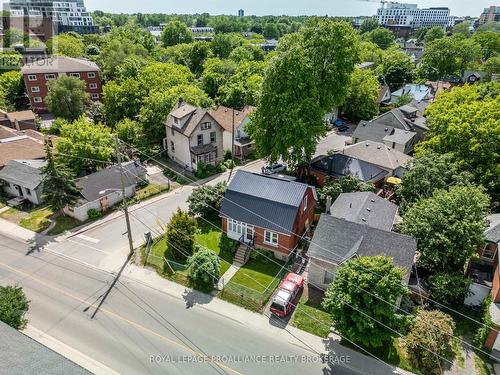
(38, 74)
(267, 212)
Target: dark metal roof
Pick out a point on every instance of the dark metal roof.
(19, 354)
(492, 234)
(263, 201)
(337, 240)
(365, 208)
(339, 165)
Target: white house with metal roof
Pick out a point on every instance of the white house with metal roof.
(23, 179)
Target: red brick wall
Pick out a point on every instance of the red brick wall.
(490, 340)
(41, 83)
(495, 289)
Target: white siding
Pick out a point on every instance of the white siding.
(316, 274)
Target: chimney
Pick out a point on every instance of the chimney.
(16, 124)
(328, 204)
(180, 102)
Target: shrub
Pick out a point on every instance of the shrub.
(94, 214)
(429, 339)
(228, 245)
(449, 289)
(203, 269)
(13, 306)
(180, 235)
(206, 200)
(485, 329)
(228, 155)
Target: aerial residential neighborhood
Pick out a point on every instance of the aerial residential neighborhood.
(226, 187)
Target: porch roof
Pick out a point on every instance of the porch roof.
(203, 149)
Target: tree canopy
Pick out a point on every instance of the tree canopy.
(203, 269)
(448, 226)
(13, 306)
(361, 101)
(381, 36)
(308, 77)
(66, 45)
(67, 97)
(434, 33)
(465, 122)
(357, 314)
(180, 235)
(176, 32)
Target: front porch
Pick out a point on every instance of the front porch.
(243, 147)
(206, 154)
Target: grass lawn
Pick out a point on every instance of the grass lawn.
(307, 315)
(64, 223)
(36, 220)
(211, 236)
(257, 274)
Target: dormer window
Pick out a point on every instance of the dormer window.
(176, 121)
(206, 126)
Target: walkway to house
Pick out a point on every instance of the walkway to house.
(228, 275)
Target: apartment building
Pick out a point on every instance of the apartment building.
(409, 15)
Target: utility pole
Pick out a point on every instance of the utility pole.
(232, 150)
(125, 203)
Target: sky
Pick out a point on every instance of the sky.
(277, 7)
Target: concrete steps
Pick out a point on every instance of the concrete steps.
(242, 254)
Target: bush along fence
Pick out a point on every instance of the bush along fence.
(252, 299)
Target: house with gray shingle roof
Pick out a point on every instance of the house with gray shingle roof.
(193, 136)
(270, 212)
(337, 240)
(23, 179)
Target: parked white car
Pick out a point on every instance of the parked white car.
(273, 168)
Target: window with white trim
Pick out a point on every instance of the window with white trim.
(199, 139)
(271, 238)
(91, 75)
(234, 226)
(327, 278)
(95, 96)
(213, 137)
(93, 86)
(35, 89)
(206, 126)
(50, 77)
(37, 99)
(489, 251)
(76, 75)
(32, 77)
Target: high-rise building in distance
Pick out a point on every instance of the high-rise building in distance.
(68, 15)
(241, 13)
(490, 15)
(409, 15)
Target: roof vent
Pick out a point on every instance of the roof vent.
(367, 144)
(386, 129)
(368, 209)
(364, 219)
(379, 147)
(373, 200)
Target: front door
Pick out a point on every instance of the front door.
(249, 232)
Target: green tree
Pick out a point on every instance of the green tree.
(462, 29)
(203, 269)
(449, 289)
(206, 201)
(396, 69)
(163, 76)
(347, 184)
(131, 132)
(67, 97)
(448, 57)
(12, 88)
(371, 52)
(381, 36)
(420, 33)
(180, 235)
(271, 30)
(368, 25)
(122, 100)
(223, 44)
(356, 314)
(85, 145)
(434, 33)
(58, 183)
(429, 339)
(243, 87)
(466, 123)
(176, 32)
(66, 45)
(158, 105)
(130, 68)
(95, 111)
(216, 73)
(489, 42)
(13, 306)
(430, 172)
(448, 226)
(492, 66)
(361, 101)
(308, 77)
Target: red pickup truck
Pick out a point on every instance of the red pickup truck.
(286, 298)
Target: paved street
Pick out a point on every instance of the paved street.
(137, 322)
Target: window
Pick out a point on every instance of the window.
(91, 75)
(32, 77)
(93, 86)
(172, 146)
(305, 203)
(95, 96)
(271, 238)
(50, 77)
(200, 139)
(37, 99)
(213, 137)
(76, 75)
(35, 89)
(176, 121)
(172, 131)
(234, 226)
(206, 126)
(28, 191)
(327, 278)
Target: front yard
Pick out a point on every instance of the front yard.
(254, 283)
(309, 316)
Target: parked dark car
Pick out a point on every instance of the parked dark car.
(343, 129)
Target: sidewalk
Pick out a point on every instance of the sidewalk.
(15, 231)
(228, 275)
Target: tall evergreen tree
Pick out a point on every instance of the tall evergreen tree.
(59, 186)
